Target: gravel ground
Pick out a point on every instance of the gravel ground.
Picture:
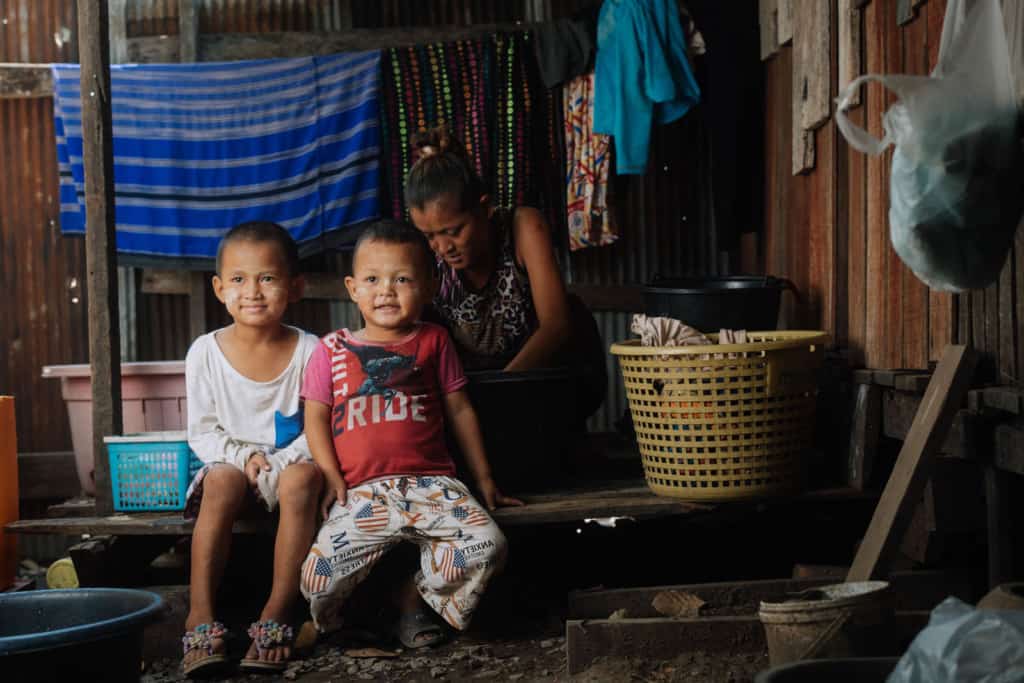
(508, 660)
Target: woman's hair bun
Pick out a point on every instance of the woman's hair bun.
(436, 141)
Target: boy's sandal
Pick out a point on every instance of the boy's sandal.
(201, 638)
(420, 629)
(267, 635)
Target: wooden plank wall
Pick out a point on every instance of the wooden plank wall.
(828, 231)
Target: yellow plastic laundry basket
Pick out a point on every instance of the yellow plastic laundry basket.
(724, 421)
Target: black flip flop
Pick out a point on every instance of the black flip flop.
(412, 628)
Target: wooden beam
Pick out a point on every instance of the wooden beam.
(47, 476)
(784, 22)
(945, 393)
(35, 80)
(118, 22)
(1009, 449)
(329, 286)
(100, 239)
(1000, 517)
(898, 412)
(812, 63)
(849, 23)
(25, 80)
(660, 639)
(325, 286)
(226, 47)
(768, 23)
(911, 590)
(568, 508)
(1003, 399)
(188, 31)
(867, 427)
(197, 284)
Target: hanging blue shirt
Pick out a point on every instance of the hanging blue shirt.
(641, 75)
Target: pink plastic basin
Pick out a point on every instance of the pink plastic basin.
(152, 400)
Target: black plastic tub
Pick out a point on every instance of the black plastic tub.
(526, 425)
(85, 634)
(710, 304)
(856, 670)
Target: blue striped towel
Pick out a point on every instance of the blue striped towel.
(201, 147)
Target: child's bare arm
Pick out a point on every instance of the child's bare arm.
(321, 445)
(462, 418)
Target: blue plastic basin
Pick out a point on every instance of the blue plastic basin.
(84, 634)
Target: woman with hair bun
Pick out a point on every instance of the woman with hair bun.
(501, 293)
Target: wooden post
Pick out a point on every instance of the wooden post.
(188, 31)
(999, 514)
(100, 244)
(188, 37)
(867, 426)
(196, 304)
(8, 492)
(118, 23)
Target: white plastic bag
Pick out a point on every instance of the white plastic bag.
(965, 645)
(957, 182)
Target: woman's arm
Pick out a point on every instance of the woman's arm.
(535, 253)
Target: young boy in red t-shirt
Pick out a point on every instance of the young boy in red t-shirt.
(376, 404)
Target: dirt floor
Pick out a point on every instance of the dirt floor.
(541, 660)
(512, 660)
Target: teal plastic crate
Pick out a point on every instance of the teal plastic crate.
(150, 471)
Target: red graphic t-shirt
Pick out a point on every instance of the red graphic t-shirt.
(387, 415)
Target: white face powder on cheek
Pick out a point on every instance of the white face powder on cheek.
(231, 297)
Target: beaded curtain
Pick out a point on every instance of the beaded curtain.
(489, 93)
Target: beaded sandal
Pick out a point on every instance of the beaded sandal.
(267, 635)
(201, 638)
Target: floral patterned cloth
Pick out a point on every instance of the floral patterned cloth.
(588, 158)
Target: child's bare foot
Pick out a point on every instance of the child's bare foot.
(204, 645)
(271, 647)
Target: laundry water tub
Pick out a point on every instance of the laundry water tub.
(86, 634)
(709, 304)
(527, 423)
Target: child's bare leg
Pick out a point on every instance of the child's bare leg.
(224, 489)
(298, 498)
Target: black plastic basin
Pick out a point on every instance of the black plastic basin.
(710, 304)
(524, 418)
(85, 634)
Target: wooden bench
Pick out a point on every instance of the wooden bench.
(598, 501)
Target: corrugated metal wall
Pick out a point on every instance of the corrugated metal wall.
(43, 316)
(665, 224)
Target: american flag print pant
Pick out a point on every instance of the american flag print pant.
(461, 547)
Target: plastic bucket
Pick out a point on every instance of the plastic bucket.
(867, 670)
(840, 620)
(523, 419)
(88, 634)
(715, 303)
